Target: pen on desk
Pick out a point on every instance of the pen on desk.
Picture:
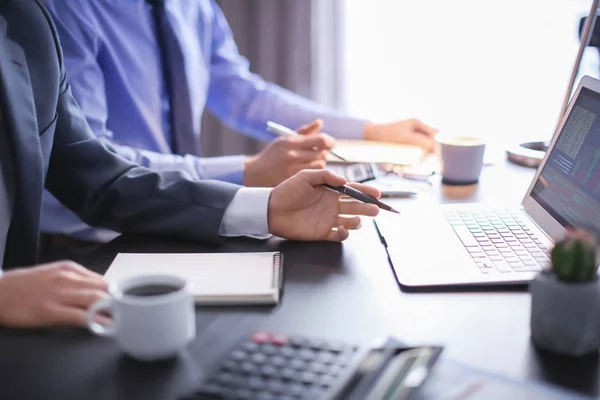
(358, 195)
(281, 130)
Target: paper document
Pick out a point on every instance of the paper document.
(368, 151)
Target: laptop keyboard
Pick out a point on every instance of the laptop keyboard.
(499, 240)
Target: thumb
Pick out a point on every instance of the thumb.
(323, 176)
(313, 127)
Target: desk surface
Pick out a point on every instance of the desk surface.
(331, 290)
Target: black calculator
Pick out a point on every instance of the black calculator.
(355, 172)
(271, 366)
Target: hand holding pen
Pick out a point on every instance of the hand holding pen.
(281, 130)
(301, 208)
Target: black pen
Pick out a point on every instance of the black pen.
(358, 195)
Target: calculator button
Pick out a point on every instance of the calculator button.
(268, 349)
(265, 396)
(249, 368)
(295, 389)
(255, 383)
(258, 358)
(250, 347)
(243, 394)
(287, 351)
(279, 340)
(278, 361)
(297, 364)
(288, 373)
(315, 344)
(230, 365)
(261, 337)
(326, 381)
(239, 355)
(296, 341)
(318, 368)
(276, 386)
(269, 370)
(307, 377)
(326, 358)
(306, 354)
(334, 370)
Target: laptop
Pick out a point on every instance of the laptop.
(480, 244)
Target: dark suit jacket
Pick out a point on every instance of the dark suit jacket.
(51, 143)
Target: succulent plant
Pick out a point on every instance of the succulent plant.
(574, 257)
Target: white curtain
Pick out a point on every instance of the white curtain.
(282, 40)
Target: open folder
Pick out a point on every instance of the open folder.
(217, 278)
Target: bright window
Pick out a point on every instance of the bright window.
(495, 68)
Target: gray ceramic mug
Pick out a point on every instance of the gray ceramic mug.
(461, 158)
(154, 316)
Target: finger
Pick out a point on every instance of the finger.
(308, 156)
(319, 141)
(321, 177)
(76, 268)
(82, 298)
(419, 139)
(317, 164)
(358, 208)
(349, 223)
(366, 189)
(337, 235)
(313, 127)
(78, 282)
(66, 315)
(424, 128)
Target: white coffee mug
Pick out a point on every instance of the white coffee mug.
(154, 316)
(461, 158)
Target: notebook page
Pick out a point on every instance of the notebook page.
(212, 274)
(366, 151)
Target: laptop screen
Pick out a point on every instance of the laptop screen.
(568, 187)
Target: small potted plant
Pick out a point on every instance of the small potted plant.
(565, 299)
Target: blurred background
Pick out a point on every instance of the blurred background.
(496, 69)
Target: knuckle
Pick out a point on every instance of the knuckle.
(67, 266)
(62, 277)
(291, 156)
(46, 308)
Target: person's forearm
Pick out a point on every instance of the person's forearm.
(246, 103)
(229, 168)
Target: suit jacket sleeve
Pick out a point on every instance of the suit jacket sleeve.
(87, 176)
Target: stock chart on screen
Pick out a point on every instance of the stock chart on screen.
(569, 185)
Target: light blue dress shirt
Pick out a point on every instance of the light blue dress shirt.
(113, 65)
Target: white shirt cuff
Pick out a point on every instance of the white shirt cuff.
(247, 214)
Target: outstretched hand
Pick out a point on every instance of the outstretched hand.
(409, 131)
(302, 209)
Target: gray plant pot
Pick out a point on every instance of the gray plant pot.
(565, 317)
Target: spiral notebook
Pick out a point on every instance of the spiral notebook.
(217, 278)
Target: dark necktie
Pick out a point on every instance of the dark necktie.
(173, 68)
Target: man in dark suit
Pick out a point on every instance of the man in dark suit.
(44, 139)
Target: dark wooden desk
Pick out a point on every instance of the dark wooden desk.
(331, 290)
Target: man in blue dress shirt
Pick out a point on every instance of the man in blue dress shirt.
(46, 141)
(112, 52)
